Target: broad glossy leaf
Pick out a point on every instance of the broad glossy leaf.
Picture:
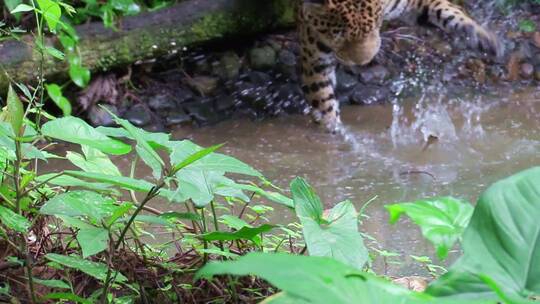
(13, 220)
(70, 181)
(246, 233)
(139, 185)
(76, 130)
(143, 148)
(79, 74)
(213, 162)
(55, 93)
(155, 139)
(502, 242)
(317, 280)
(93, 160)
(335, 235)
(181, 216)
(15, 111)
(195, 157)
(51, 12)
(80, 203)
(270, 195)
(94, 269)
(52, 283)
(20, 8)
(66, 296)
(442, 220)
(92, 240)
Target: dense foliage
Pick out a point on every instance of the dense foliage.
(88, 233)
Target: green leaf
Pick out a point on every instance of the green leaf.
(20, 8)
(92, 240)
(80, 203)
(93, 161)
(15, 111)
(66, 296)
(442, 220)
(233, 221)
(52, 283)
(79, 74)
(70, 181)
(51, 12)
(143, 148)
(336, 235)
(127, 7)
(246, 233)
(93, 269)
(199, 186)
(527, 26)
(55, 93)
(76, 130)
(270, 195)
(213, 162)
(55, 52)
(308, 279)
(13, 220)
(139, 185)
(181, 216)
(195, 157)
(501, 242)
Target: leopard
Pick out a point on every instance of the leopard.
(348, 32)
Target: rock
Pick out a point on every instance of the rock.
(527, 70)
(262, 58)
(536, 39)
(259, 78)
(344, 81)
(138, 115)
(182, 94)
(536, 59)
(287, 64)
(224, 103)
(178, 116)
(202, 112)
(512, 67)
(374, 74)
(255, 96)
(369, 94)
(228, 67)
(161, 102)
(205, 85)
(537, 72)
(99, 117)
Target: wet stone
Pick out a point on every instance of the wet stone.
(138, 115)
(369, 94)
(182, 94)
(288, 64)
(262, 58)
(99, 117)
(374, 74)
(344, 81)
(161, 102)
(228, 67)
(224, 103)
(178, 116)
(527, 70)
(259, 78)
(205, 85)
(203, 112)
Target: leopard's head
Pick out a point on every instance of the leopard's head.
(353, 29)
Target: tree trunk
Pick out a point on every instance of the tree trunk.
(149, 35)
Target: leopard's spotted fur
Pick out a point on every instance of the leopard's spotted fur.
(348, 31)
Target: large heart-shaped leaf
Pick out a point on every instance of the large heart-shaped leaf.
(335, 235)
(501, 242)
(442, 220)
(92, 240)
(80, 203)
(94, 269)
(308, 279)
(93, 160)
(76, 130)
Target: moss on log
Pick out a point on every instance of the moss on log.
(149, 35)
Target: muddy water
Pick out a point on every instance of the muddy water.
(385, 157)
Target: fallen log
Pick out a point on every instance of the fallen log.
(148, 35)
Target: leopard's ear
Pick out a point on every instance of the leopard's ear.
(330, 4)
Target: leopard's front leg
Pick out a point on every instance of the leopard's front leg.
(318, 81)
